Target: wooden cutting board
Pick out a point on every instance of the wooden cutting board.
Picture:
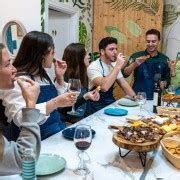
(138, 147)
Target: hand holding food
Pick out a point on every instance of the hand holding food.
(141, 59)
(92, 95)
(98, 88)
(30, 91)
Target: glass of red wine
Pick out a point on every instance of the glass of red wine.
(82, 141)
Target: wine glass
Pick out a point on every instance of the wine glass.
(141, 99)
(74, 85)
(82, 141)
(171, 89)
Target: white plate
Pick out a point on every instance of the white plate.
(127, 102)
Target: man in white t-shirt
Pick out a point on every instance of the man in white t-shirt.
(105, 71)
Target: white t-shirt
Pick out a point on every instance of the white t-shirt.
(95, 70)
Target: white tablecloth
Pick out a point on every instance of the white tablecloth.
(105, 162)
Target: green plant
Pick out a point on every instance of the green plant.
(150, 7)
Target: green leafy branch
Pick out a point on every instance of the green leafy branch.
(151, 7)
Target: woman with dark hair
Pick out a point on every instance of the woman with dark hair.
(77, 60)
(35, 54)
(11, 152)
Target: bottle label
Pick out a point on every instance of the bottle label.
(155, 102)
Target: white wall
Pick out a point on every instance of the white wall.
(26, 11)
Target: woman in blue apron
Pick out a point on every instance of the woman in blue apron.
(53, 123)
(106, 98)
(77, 61)
(36, 53)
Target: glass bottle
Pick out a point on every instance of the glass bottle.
(157, 92)
(157, 96)
(28, 165)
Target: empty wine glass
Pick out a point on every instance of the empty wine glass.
(141, 99)
(171, 89)
(82, 141)
(74, 85)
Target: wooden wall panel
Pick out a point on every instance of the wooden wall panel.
(127, 21)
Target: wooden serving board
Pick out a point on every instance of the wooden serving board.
(138, 147)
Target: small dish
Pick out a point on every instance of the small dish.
(69, 133)
(116, 111)
(127, 102)
(49, 164)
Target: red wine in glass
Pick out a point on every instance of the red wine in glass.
(82, 141)
(82, 145)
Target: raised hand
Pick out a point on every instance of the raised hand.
(60, 69)
(30, 91)
(67, 99)
(92, 95)
(120, 61)
(172, 66)
(141, 59)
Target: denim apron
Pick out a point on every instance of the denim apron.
(53, 123)
(145, 76)
(106, 98)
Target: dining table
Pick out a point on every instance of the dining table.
(102, 157)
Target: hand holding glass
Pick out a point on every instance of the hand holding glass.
(82, 140)
(74, 85)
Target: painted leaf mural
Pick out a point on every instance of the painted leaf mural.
(42, 15)
(151, 7)
(82, 32)
(169, 14)
(133, 28)
(114, 32)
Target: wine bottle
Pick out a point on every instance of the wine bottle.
(157, 96)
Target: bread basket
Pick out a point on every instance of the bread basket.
(168, 110)
(175, 160)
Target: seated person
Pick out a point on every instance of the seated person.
(105, 71)
(77, 60)
(148, 66)
(35, 54)
(29, 137)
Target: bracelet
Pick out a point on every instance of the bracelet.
(55, 103)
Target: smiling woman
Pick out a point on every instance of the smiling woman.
(11, 152)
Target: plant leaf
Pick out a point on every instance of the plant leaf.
(150, 7)
(133, 28)
(82, 32)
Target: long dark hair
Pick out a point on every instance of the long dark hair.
(74, 55)
(1, 47)
(35, 45)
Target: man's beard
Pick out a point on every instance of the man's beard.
(111, 59)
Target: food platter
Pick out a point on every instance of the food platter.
(171, 98)
(138, 147)
(168, 110)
